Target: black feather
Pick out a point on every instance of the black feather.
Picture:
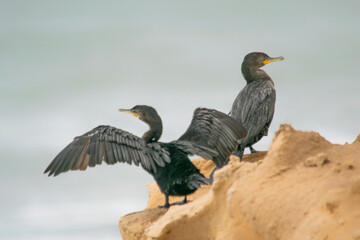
(211, 134)
(254, 106)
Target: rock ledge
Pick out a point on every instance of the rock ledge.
(303, 188)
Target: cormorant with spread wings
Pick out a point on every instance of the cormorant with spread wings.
(211, 134)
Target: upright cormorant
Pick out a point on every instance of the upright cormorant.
(211, 134)
(255, 105)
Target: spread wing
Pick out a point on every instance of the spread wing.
(110, 145)
(212, 135)
(254, 107)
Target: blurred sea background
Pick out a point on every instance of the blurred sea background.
(67, 66)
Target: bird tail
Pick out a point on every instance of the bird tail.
(196, 180)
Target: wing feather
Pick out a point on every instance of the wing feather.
(92, 154)
(102, 155)
(254, 108)
(110, 145)
(76, 156)
(212, 135)
(61, 165)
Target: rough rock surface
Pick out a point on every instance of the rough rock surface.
(303, 188)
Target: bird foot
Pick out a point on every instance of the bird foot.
(167, 205)
(252, 150)
(175, 203)
(164, 206)
(238, 154)
(179, 203)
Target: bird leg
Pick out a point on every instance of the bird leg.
(181, 202)
(166, 205)
(239, 152)
(252, 150)
(211, 177)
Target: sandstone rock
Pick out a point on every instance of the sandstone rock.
(304, 187)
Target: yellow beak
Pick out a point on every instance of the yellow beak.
(270, 60)
(128, 111)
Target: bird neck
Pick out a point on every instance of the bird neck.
(253, 73)
(154, 133)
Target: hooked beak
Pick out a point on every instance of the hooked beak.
(128, 111)
(270, 60)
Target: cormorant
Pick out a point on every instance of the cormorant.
(255, 105)
(211, 134)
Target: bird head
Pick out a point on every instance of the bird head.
(259, 59)
(143, 112)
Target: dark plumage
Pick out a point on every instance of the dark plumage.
(211, 134)
(255, 105)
